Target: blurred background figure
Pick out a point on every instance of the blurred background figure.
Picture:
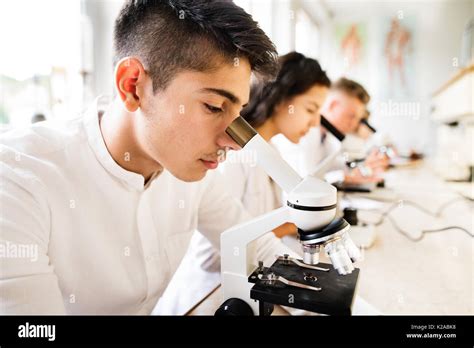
(38, 118)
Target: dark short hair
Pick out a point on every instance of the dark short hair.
(297, 74)
(169, 36)
(352, 89)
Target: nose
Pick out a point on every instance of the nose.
(224, 141)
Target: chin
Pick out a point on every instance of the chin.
(295, 140)
(190, 175)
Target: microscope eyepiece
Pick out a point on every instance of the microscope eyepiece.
(332, 129)
(241, 131)
(368, 125)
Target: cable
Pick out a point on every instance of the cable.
(386, 213)
(395, 204)
(448, 203)
(423, 232)
(449, 228)
(438, 212)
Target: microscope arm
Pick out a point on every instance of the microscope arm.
(235, 256)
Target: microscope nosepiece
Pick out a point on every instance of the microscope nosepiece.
(339, 257)
(352, 250)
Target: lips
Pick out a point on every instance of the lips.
(210, 164)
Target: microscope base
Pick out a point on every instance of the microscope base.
(335, 298)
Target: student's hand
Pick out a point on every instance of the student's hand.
(286, 229)
(377, 161)
(355, 177)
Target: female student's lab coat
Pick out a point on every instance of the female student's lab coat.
(306, 156)
(82, 235)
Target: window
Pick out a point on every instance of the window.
(261, 11)
(306, 35)
(42, 62)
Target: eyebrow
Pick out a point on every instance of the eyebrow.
(224, 93)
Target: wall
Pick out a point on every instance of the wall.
(438, 28)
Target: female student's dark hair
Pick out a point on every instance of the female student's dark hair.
(297, 74)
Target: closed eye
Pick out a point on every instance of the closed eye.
(213, 109)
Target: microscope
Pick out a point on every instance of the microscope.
(324, 165)
(299, 283)
(363, 234)
(382, 142)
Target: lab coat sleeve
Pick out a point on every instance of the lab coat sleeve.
(235, 176)
(310, 153)
(28, 284)
(219, 209)
(336, 172)
(334, 176)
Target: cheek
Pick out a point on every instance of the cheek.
(300, 122)
(170, 135)
(354, 124)
(199, 132)
(291, 127)
(189, 129)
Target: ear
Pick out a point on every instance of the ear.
(333, 103)
(283, 106)
(129, 80)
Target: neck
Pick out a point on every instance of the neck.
(119, 135)
(267, 130)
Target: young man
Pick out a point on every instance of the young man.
(96, 213)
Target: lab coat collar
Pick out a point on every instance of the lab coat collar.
(97, 143)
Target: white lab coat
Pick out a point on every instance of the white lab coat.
(312, 149)
(81, 235)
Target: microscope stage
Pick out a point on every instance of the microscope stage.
(335, 297)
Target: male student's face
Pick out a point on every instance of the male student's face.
(346, 113)
(183, 126)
